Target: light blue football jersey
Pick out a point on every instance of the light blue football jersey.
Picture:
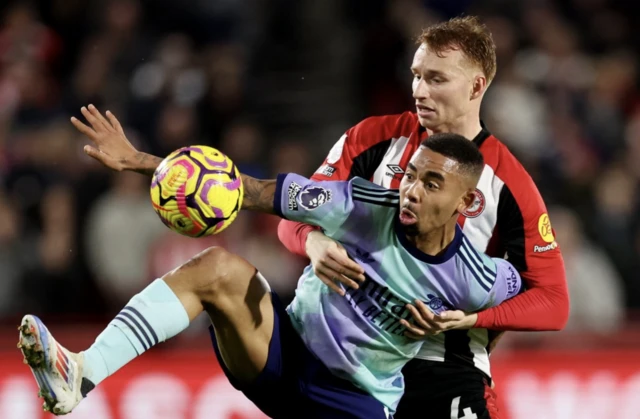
(359, 336)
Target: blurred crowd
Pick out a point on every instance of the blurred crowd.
(273, 83)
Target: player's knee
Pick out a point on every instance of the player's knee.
(214, 276)
(202, 269)
(220, 273)
(213, 256)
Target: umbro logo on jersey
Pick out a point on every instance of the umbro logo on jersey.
(326, 170)
(394, 170)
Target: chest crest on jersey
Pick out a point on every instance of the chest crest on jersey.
(478, 205)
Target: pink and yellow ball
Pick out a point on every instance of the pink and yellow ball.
(197, 191)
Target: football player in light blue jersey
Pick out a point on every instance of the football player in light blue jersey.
(327, 355)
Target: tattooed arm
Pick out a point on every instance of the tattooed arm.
(258, 194)
(113, 149)
(143, 163)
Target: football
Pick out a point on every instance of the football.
(197, 191)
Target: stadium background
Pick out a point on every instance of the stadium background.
(274, 83)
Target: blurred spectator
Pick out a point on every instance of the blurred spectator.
(616, 215)
(12, 238)
(177, 127)
(243, 142)
(120, 231)
(597, 303)
(25, 37)
(520, 115)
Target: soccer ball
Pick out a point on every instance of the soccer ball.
(197, 191)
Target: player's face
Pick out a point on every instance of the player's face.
(444, 86)
(432, 191)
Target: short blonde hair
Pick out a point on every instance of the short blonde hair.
(469, 35)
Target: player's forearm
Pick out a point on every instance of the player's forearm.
(143, 163)
(293, 236)
(537, 309)
(258, 194)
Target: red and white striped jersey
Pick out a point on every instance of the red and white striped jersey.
(508, 219)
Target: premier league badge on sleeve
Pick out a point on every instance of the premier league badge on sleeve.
(314, 197)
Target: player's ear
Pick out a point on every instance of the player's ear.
(479, 86)
(467, 200)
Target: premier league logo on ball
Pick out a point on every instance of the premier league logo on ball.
(314, 197)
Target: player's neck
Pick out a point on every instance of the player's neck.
(468, 126)
(436, 241)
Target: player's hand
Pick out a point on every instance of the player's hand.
(427, 323)
(331, 263)
(110, 146)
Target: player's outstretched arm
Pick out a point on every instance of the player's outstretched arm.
(110, 145)
(112, 148)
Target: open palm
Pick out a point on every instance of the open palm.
(110, 146)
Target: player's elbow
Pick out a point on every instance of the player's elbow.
(560, 306)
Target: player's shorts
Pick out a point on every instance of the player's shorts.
(295, 384)
(445, 390)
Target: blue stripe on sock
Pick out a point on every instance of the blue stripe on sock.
(136, 312)
(138, 326)
(126, 323)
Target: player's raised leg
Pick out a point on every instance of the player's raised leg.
(238, 301)
(229, 288)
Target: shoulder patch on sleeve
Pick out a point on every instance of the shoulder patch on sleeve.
(314, 197)
(293, 191)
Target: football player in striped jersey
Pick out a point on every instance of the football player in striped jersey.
(454, 64)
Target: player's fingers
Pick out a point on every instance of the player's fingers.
(330, 283)
(417, 317)
(95, 123)
(340, 255)
(424, 311)
(412, 331)
(80, 126)
(114, 122)
(352, 272)
(101, 157)
(351, 269)
(443, 323)
(413, 336)
(428, 315)
(333, 272)
(96, 113)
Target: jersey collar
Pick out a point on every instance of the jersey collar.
(478, 140)
(452, 249)
(482, 135)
